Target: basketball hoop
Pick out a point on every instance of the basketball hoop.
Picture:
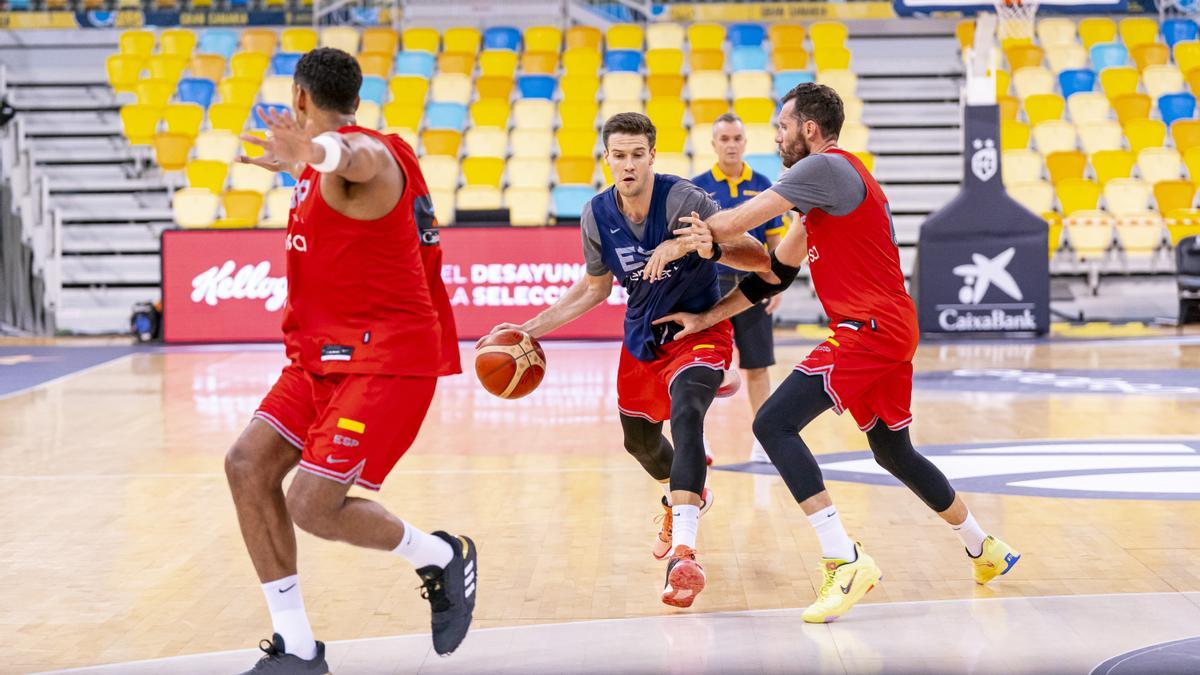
(1015, 20)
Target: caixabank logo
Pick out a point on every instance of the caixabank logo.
(972, 313)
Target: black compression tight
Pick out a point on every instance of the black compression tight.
(894, 451)
(645, 441)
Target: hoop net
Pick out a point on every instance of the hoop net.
(1015, 23)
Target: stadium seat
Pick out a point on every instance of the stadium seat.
(1065, 164)
(569, 200)
(1109, 55)
(828, 34)
(1066, 57)
(754, 110)
(1102, 135)
(624, 36)
(249, 65)
(533, 113)
(1173, 107)
(746, 35)
(708, 86)
(1071, 82)
(702, 163)
(409, 88)
(706, 60)
(368, 115)
(663, 85)
(577, 170)
(1171, 195)
(755, 59)
(494, 87)
(136, 43)
(786, 35)
(441, 142)
(768, 165)
(451, 88)
(381, 40)
(1124, 195)
(443, 205)
(1182, 223)
(867, 159)
(789, 59)
(581, 61)
(964, 30)
(700, 35)
(1042, 107)
(1179, 30)
(672, 163)
(1159, 164)
(501, 37)
(1161, 80)
(180, 42)
(844, 82)
(1191, 160)
(207, 174)
(218, 145)
(539, 63)
(1037, 196)
(1185, 134)
(623, 60)
(1187, 56)
(787, 80)
(455, 63)
(284, 63)
(375, 89)
(535, 143)
(375, 64)
(853, 137)
(184, 118)
(1055, 31)
(483, 171)
(1014, 135)
(706, 111)
(442, 115)
(251, 150)
(1055, 136)
(276, 90)
(1023, 56)
(1088, 107)
(154, 92)
(424, 40)
(194, 207)
(416, 63)
(490, 112)
(195, 90)
(441, 172)
(1093, 30)
(528, 205)
(671, 140)
(584, 87)
(1150, 54)
(586, 37)
(664, 62)
(486, 142)
(1130, 107)
(612, 106)
(1111, 164)
(171, 150)
(576, 142)
(167, 67)
(529, 172)
(751, 84)
(1138, 30)
(250, 177)
(279, 203)
(344, 38)
(220, 41)
(238, 90)
(1140, 233)
(537, 86)
(578, 114)
(298, 40)
(543, 39)
(242, 208)
(622, 85)
(259, 112)
(207, 66)
(1077, 194)
(123, 71)
(1030, 81)
(665, 112)
(1009, 107)
(1090, 233)
(853, 106)
(1116, 82)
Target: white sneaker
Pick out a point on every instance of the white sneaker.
(758, 454)
(730, 384)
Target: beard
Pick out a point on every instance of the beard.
(790, 154)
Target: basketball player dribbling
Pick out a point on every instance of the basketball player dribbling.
(368, 330)
(865, 366)
(632, 231)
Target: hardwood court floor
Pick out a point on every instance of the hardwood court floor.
(120, 541)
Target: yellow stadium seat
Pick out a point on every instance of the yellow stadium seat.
(154, 92)
(1030, 81)
(1090, 233)
(1093, 30)
(853, 137)
(1054, 31)
(852, 106)
(705, 36)
(344, 38)
(581, 87)
(1159, 164)
(1162, 79)
(136, 43)
(277, 90)
(208, 66)
(1054, 136)
(1191, 160)
(1065, 164)
(250, 177)
(664, 85)
(194, 207)
(1009, 107)
(217, 145)
(751, 84)
(664, 62)
(1024, 56)
(543, 39)
(451, 88)
(1003, 80)
(207, 174)
(242, 208)
(1066, 57)
(123, 72)
(279, 203)
(1138, 30)
(441, 142)
(1021, 166)
(702, 163)
(441, 172)
(867, 159)
(409, 88)
(1014, 135)
(495, 87)
(1182, 223)
(228, 116)
(844, 82)
(1185, 134)
(536, 143)
(754, 110)
(167, 67)
(706, 111)
(171, 150)
(421, 40)
(1187, 55)
(1193, 80)
(486, 142)
(498, 63)
(368, 115)
(461, 40)
(1077, 194)
(139, 123)
(528, 205)
(533, 113)
(407, 135)
(1130, 107)
(1102, 135)
(1042, 107)
(706, 60)
(375, 64)
(184, 118)
(581, 61)
(251, 150)
(529, 172)
(478, 198)
(177, 41)
(249, 65)
(1140, 232)
(672, 163)
(259, 41)
(964, 30)
(665, 112)
(1088, 107)
(578, 114)
(576, 142)
(624, 36)
(380, 39)
(587, 37)
(298, 40)
(539, 63)
(671, 139)
(831, 58)
(1124, 195)
(490, 112)
(1171, 195)
(708, 86)
(483, 171)
(403, 113)
(1116, 82)
(666, 36)
(574, 170)
(1037, 196)
(1111, 164)
(828, 33)
(789, 59)
(238, 90)
(1150, 54)
(455, 62)
(621, 85)
(786, 35)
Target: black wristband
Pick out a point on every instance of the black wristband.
(716, 252)
(786, 273)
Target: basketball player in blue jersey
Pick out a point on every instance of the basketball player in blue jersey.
(632, 232)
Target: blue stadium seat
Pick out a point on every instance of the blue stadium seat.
(626, 60)
(1108, 55)
(284, 63)
(286, 179)
(415, 63)
(767, 165)
(196, 90)
(1179, 30)
(238, 4)
(1075, 81)
(221, 41)
(786, 80)
(439, 115)
(261, 108)
(373, 89)
(569, 200)
(18, 5)
(537, 86)
(748, 58)
(746, 35)
(1176, 107)
(502, 37)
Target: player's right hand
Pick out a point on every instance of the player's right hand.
(499, 328)
(692, 323)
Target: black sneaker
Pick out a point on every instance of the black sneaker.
(279, 661)
(451, 593)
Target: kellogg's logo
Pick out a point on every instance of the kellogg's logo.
(251, 282)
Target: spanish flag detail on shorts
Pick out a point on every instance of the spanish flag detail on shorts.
(833, 342)
(699, 347)
(351, 425)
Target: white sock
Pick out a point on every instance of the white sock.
(423, 550)
(971, 534)
(835, 543)
(288, 616)
(685, 522)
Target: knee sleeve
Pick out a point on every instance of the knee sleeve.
(894, 452)
(797, 401)
(691, 395)
(645, 441)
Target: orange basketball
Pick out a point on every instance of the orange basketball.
(510, 364)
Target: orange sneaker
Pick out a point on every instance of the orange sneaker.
(685, 578)
(662, 545)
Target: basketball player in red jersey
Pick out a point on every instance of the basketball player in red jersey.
(866, 365)
(368, 330)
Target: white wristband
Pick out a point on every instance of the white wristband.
(333, 153)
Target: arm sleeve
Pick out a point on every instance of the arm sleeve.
(591, 243)
(686, 197)
(815, 182)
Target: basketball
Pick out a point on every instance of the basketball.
(510, 364)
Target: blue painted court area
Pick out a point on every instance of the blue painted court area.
(23, 368)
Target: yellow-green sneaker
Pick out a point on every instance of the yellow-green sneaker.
(846, 582)
(995, 559)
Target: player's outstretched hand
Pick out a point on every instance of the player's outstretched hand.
(497, 329)
(286, 142)
(774, 301)
(692, 323)
(696, 236)
(664, 254)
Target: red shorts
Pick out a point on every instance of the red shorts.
(350, 428)
(644, 388)
(871, 386)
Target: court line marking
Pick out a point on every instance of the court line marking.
(217, 474)
(1140, 651)
(678, 615)
(65, 376)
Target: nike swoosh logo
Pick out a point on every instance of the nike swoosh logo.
(285, 590)
(615, 231)
(333, 460)
(847, 587)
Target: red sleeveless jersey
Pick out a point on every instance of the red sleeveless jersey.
(855, 268)
(366, 296)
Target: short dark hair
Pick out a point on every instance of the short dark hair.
(727, 117)
(331, 77)
(634, 124)
(820, 104)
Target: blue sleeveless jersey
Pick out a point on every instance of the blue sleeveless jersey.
(689, 283)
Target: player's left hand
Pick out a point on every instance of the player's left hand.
(692, 323)
(665, 253)
(286, 140)
(696, 237)
(773, 302)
